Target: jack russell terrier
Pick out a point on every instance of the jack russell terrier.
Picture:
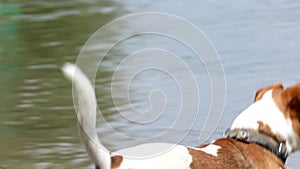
(261, 137)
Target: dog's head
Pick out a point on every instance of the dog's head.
(276, 109)
(287, 100)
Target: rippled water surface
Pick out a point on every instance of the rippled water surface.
(258, 44)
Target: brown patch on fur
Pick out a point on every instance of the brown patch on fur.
(259, 94)
(116, 161)
(259, 156)
(228, 157)
(235, 154)
(266, 129)
(290, 98)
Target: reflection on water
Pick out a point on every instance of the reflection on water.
(38, 124)
(257, 44)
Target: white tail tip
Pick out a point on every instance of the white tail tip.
(69, 70)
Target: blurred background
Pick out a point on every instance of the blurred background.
(257, 41)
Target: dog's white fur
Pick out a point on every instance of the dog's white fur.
(87, 111)
(155, 155)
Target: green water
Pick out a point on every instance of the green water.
(37, 121)
(257, 43)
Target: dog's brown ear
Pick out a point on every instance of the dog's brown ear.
(259, 94)
(290, 99)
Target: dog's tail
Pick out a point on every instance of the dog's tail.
(87, 110)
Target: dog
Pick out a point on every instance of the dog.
(261, 137)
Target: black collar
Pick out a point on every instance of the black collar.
(268, 142)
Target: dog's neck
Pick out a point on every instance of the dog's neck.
(264, 113)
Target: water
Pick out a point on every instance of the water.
(257, 43)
